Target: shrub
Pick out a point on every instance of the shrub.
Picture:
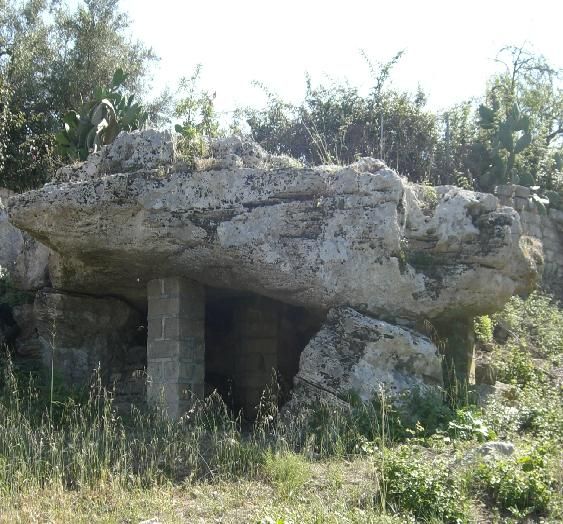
(287, 471)
(468, 426)
(423, 486)
(483, 327)
(536, 323)
(520, 485)
(515, 366)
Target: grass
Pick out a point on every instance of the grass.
(79, 461)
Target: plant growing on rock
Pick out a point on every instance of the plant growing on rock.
(99, 120)
(199, 121)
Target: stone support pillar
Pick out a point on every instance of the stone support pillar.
(175, 343)
(257, 326)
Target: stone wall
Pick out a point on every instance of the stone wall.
(543, 223)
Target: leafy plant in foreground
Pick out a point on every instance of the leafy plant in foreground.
(519, 485)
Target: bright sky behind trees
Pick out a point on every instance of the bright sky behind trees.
(450, 45)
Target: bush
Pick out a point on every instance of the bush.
(536, 323)
(423, 486)
(515, 366)
(287, 471)
(521, 486)
(483, 327)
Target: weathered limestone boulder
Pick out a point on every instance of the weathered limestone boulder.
(356, 353)
(358, 235)
(11, 239)
(359, 241)
(24, 259)
(148, 150)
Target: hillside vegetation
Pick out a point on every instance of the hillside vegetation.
(433, 457)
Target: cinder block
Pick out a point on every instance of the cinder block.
(176, 342)
(179, 287)
(178, 328)
(159, 307)
(191, 372)
(157, 349)
(182, 307)
(154, 370)
(155, 329)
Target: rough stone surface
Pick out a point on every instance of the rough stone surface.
(139, 150)
(358, 241)
(489, 452)
(85, 332)
(357, 235)
(356, 353)
(11, 239)
(545, 226)
(24, 259)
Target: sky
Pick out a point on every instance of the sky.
(450, 46)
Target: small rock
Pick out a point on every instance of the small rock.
(496, 448)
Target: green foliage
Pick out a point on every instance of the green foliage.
(529, 361)
(521, 485)
(26, 150)
(521, 124)
(337, 124)
(483, 328)
(422, 485)
(51, 55)
(519, 368)
(469, 425)
(453, 149)
(534, 409)
(99, 120)
(513, 136)
(287, 471)
(509, 137)
(536, 324)
(360, 426)
(195, 108)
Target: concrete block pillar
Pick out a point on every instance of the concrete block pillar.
(257, 326)
(175, 342)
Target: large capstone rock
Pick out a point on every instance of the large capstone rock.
(353, 353)
(11, 239)
(24, 260)
(358, 235)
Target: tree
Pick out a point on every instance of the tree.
(521, 124)
(92, 43)
(457, 134)
(51, 60)
(336, 124)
